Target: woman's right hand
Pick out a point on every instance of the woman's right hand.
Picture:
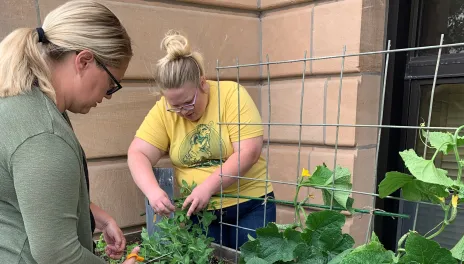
(159, 201)
(132, 260)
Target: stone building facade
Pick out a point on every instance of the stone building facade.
(249, 30)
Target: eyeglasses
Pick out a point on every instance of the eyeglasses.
(186, 107)
(116, 86)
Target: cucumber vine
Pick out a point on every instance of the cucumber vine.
(321, 239)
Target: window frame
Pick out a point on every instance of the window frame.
(406, 73)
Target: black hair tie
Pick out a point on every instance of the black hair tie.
(42, 37)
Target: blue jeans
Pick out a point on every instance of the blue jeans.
(250, 215)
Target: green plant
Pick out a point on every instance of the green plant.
(321, 239)
(100, 246)
(427, 183)
(178, 239)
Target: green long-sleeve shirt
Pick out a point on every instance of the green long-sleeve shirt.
(44, 202)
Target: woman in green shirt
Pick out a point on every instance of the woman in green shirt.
(71, 63)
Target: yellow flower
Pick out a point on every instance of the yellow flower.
(454, 201)
(311, 196)
(305, 173)
(422, 124)
(442, 199)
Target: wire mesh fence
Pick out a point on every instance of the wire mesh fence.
(378, 127)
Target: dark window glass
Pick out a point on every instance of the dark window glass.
(441, 17)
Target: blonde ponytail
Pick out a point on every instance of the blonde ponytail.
(74, 26)
(180, 64)
(22, 64)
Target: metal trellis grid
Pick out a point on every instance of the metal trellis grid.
(372, 212)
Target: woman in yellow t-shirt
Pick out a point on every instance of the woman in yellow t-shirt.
(184, 123)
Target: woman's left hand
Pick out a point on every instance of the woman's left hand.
(115, 240)
(199, 199)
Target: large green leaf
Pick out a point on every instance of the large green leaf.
(412, 189)
(339, 258)
(249, 250)
(392, 182)
(416, 191)
(256, 260)
(341, 180)
(271, 245)
(324, 233)
(425, 170)
(425, 251)
(373, 252)
(458, 250)
(443, 141)
(305, 254)
(274, 245)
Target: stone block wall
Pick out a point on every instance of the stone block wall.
(249, 30)
(322, 28)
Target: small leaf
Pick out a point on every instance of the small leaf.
(319, 177)
(392, 182)
(440, 141)
(425, 170)
(341, 180)
(458, 250)
(425, 251)
(459, 141)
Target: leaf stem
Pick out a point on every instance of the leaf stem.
(443, 225)
(400, 243)
(435, 227)
(402, 239)
(295, 204)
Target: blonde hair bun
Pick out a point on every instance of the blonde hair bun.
(175, 45)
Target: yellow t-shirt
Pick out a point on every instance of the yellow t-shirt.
(194, 146)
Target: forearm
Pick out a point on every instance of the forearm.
(102, 218)
(231, 168)
(142, 172)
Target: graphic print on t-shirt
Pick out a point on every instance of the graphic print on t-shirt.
(200, 147)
